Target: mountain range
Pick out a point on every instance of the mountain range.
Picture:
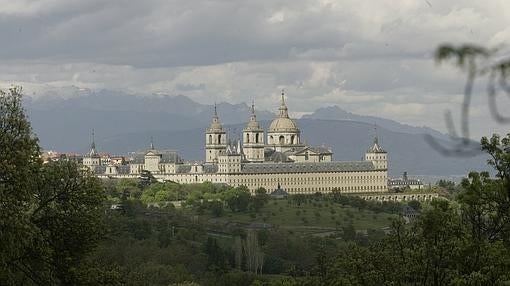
(124, 123)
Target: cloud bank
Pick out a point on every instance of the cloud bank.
(369, 57)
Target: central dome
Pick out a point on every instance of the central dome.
(280, 124)
(283, 123)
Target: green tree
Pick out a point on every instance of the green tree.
(216, 208)
(416, 205)
(50, 216)
(349, 232)
(19, 166)
(216, 259)
(68, 216)
(499, 151)
(260, 199)
(237, 199)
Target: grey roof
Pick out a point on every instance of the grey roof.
(186, 168)
(210, 168)
(170, 157)
(352, 166)
(321, 150)
(137, 158)
(167, 156)
(317, 149)
(180, 169)
(279, 193)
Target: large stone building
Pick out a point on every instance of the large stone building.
(282, 160)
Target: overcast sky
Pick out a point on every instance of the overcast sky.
(368, 57)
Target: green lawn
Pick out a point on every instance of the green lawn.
(309, 215)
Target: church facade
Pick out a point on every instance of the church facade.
(272, 159)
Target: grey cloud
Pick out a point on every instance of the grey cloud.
(370, 57)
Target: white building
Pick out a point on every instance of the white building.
(282, 160)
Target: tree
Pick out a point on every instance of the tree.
(50, 216)
(216, 259)
(349, 232)
(146, 179)
(237, 199)
(68, 218)
(260, 199)
(499, 151)
(216, 208)
(254, 255)
(238, 252)
(416, 205)
(299, 199)
(446, 184)
(19, 165)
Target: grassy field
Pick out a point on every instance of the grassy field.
(319, 215)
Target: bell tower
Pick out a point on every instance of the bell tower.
(253, 139)
(377, 155)
(215, 139)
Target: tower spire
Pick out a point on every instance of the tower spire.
(376, 140)
(93, 145)
(283, 111)
(215, 124)
(152, 143)
(376, 148)
(253, 116)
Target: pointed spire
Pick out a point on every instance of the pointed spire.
(253, 116)
(93, 144)
(283, 108)
(152, 143)
(215, 124)
(93, 151)
(376, 140)
(375, 148)
(253, 123)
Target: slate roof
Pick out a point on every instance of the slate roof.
(279, 193)
(182, 169)
(347, 166)
(166, 157)
(321, 150)
(208, 168)
(318, 150)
